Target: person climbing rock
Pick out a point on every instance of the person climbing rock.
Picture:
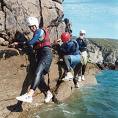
(41, 44)
(71, 55)
(68, 26)
(83, 49)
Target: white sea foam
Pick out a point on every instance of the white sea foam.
(68, 112)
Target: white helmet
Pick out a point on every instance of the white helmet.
(32, 21)
(82, 31)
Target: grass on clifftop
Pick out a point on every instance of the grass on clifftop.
(105, 43)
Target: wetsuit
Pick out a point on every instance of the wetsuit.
(43, 57)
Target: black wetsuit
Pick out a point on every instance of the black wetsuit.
(44, 59)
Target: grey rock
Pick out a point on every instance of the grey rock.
(1, 40)
(102, 55)
(13, 14)
(95, 54)
(5, 43)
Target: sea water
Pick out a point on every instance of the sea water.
(100, 101)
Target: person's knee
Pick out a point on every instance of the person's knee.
(39, 71)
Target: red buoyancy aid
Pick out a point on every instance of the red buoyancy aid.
(45, 42)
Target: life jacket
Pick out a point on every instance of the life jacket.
(45, 42)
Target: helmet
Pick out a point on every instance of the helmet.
(65, 36)
(32, 21)
(82, 32)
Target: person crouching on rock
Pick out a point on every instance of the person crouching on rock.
(41, 44)
(83, 49)
(71, 55)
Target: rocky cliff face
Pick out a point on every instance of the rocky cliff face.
(95, 54)
(102, 55)
(14, 12)
(16, 75)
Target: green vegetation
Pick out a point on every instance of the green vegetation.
(110, 44)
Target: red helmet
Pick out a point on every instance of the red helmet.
(65, 37)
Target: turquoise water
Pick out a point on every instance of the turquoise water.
(98, 17)
(100, 101)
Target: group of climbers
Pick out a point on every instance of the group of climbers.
(73, 51)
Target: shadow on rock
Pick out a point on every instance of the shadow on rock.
(8, 53)
(16, 107)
